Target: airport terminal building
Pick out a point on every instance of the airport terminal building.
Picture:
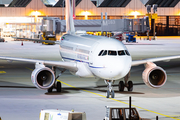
(27, 14)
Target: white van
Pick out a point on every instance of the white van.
(52, 114)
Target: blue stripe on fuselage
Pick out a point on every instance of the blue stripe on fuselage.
(80, 61)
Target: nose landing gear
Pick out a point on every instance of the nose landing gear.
(110, 92)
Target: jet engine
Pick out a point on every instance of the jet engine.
(43, 77)
(154, 76)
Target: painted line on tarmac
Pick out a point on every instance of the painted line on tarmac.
(29, 68)
(116, 99)
(121, 101)
(1, 72)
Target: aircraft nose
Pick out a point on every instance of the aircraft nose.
(116, 68)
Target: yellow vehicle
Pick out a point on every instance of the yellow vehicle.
(48, 37)
(49, 29)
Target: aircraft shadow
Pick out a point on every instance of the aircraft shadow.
(66, 90)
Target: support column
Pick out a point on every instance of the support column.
(167, 25)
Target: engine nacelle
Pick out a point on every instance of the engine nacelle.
(43, 77)
(154, 76)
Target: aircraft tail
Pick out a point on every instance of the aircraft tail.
(69, 18)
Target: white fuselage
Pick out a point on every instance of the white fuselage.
(96, 56)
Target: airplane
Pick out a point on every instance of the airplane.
(93, 56)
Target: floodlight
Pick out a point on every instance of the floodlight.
(155, 8)
(148, 7)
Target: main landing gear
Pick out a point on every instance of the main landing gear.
(127, 84)
(57, 85)
(110, 92)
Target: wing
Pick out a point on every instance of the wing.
(139, 62)
(38, 40)
(67, 65)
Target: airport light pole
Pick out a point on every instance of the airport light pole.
(148, 7)
(152, 16)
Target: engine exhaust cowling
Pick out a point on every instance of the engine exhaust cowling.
(43, 78)
(154, 76)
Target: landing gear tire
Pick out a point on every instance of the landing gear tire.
(130, 86)
(121, 86)
(58, 87)
(50, 89)
(107, 94)
(112, 94)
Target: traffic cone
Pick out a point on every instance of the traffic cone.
(22, 43)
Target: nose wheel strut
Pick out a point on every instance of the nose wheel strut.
(110, 92)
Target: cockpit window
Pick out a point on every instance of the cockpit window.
(121, 52)
(104, 53)
(111, 52)
(100, 52)
(127, 52)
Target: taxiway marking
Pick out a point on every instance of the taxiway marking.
(1, 72)
(116, 99)
(121, 101)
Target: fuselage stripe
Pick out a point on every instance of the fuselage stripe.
(81, 61)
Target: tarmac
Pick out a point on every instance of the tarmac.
(21, 100)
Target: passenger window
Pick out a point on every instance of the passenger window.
(121, 52)
(100, 52)
(104, 53)
(110, 52)
(127, 52)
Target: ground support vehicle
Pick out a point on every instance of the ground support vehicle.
(119, 113)
(130, 38)
(2, 40)
(54, 114)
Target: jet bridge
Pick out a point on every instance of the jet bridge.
(55, 25)
(126, 25)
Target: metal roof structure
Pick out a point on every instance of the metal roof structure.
(19, 3)
(61, 4)
(114, 3)
(105, 3)
(163, 3)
